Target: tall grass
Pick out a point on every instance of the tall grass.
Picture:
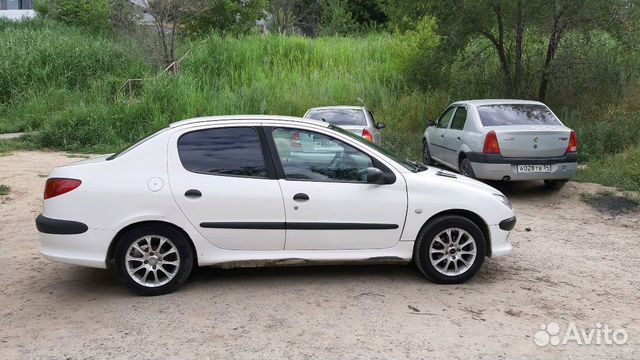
(61, 82)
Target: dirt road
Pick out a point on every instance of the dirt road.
(573, 265)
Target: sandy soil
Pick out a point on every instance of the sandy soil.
(573, 265)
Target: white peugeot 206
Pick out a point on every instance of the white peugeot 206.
(265, 190)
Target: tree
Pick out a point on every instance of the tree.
(504, 22)
(225, 16)
(288, 16)
(167, 17)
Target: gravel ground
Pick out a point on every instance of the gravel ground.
(571, 265)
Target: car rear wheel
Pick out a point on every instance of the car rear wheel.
(466, 169)
(450, 250)
(153, 259)
(426, 154)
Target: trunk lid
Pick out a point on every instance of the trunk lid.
(356, 129)
(532, 140)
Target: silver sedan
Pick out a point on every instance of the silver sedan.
(356, 119)
(503, 140)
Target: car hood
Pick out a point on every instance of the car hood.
(447, 177)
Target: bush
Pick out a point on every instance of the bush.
(93, 14)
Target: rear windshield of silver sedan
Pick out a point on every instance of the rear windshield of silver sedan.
(339, 116)
(516, 114)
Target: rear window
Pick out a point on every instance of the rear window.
(516, 114)
(223, 151)
(339, 116)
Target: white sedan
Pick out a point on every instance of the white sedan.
(265, 190)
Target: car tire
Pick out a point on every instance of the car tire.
(444, 261)
(554, 184)
(465, 168)
(426, 154)
(154, 259)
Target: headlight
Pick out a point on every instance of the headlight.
(504, 200)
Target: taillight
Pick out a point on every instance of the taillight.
(59, 186)
(367, 135)
(295, 140)
(573, 142)
(491, 145)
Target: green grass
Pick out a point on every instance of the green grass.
(60, 82)
(620, 170)
(4, 190)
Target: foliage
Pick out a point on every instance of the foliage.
(621, 170)
(225, 16)
(4, 189)
(93, 14)
(337, 19)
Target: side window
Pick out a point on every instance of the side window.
(444, 120)
(223, 151)
(459, 118)
(307, 155)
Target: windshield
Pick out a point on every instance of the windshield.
(516, 114)
(413, 167)
(347, 117)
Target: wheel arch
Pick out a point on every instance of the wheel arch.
(111, 252)
(475, 218)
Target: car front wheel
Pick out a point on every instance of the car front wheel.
(449, 250)
(153, 259)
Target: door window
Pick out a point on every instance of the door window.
(307, 155)
(445, 119)
(223, 151)
(459, 119)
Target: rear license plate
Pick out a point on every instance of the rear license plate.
(326, 145)
(527, 169)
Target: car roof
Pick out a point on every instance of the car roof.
(266, 118)
(480, 102)
(338, 107)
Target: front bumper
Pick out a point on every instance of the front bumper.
(497, 167)
(500, 245)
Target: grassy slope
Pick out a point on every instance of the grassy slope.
(60, 81)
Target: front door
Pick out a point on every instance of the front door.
(454, 136)
(328, 202)
(437, 140)
(227, 188)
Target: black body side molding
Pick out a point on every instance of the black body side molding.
(297, 226)
(59, 227)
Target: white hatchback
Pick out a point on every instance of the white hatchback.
(265, 190)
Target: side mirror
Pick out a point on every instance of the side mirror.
(380, 126)
(376, 176)
(431, 123)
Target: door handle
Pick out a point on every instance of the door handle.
(441, 135)
(459, 138)
(300, 197)
(193, 193)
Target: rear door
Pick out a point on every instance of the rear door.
(328, 202)
(436, 140)
(454, 137)
(224, 182)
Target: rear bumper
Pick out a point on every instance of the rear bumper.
(497, 167)
(72, 242)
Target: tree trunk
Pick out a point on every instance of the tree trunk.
(554, 40)
(517, 77)
(499, 45)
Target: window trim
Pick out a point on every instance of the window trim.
(270, 169)
(453, 108)
(458, 107)
(280, 169)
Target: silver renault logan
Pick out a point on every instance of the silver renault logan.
(507, 140)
